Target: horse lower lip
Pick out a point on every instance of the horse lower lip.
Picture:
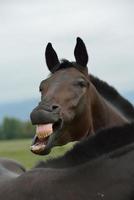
(39, 145)
(37, 148)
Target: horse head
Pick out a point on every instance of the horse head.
(63, 114)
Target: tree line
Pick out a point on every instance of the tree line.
(12, 128)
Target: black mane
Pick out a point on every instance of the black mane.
(113, 96)
(102, 143)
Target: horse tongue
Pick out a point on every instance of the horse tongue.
(44, 130)
(42, 135)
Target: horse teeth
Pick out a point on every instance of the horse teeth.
(43, 135)
(44, 130)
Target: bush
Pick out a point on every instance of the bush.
(12, 128)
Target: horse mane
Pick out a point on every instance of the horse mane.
(113, 96)
(102, 143)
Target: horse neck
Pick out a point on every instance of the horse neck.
(104, 115)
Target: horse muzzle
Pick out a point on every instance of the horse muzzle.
(40, 116)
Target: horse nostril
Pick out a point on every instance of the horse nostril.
(55, 107)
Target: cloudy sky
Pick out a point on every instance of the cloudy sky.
(106, 26)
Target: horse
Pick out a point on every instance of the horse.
(99, 167)
(71, 108)
(10, 169)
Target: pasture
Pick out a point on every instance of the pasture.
(19, 150)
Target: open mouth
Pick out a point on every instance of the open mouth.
(45, 137)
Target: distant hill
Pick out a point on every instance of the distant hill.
(23, 109)
(19, 110)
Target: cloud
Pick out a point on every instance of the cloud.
(26, 27)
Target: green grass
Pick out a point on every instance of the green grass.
(19, 150)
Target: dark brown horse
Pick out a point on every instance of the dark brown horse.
(10, 169)
(71, 108)
(99, 168)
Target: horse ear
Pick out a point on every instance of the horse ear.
(51, 57)
(80, 53)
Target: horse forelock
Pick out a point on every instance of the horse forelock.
(65, 64)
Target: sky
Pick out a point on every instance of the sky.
(106, 26)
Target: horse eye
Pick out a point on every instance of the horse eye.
(82, 83)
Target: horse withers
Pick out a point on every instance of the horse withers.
(71, 108)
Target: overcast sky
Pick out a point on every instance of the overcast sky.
(106, 26)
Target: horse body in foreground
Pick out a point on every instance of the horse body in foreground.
(101, 167)
(10, 169)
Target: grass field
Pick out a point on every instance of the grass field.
(19, 150)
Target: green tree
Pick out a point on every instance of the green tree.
(14, 128)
